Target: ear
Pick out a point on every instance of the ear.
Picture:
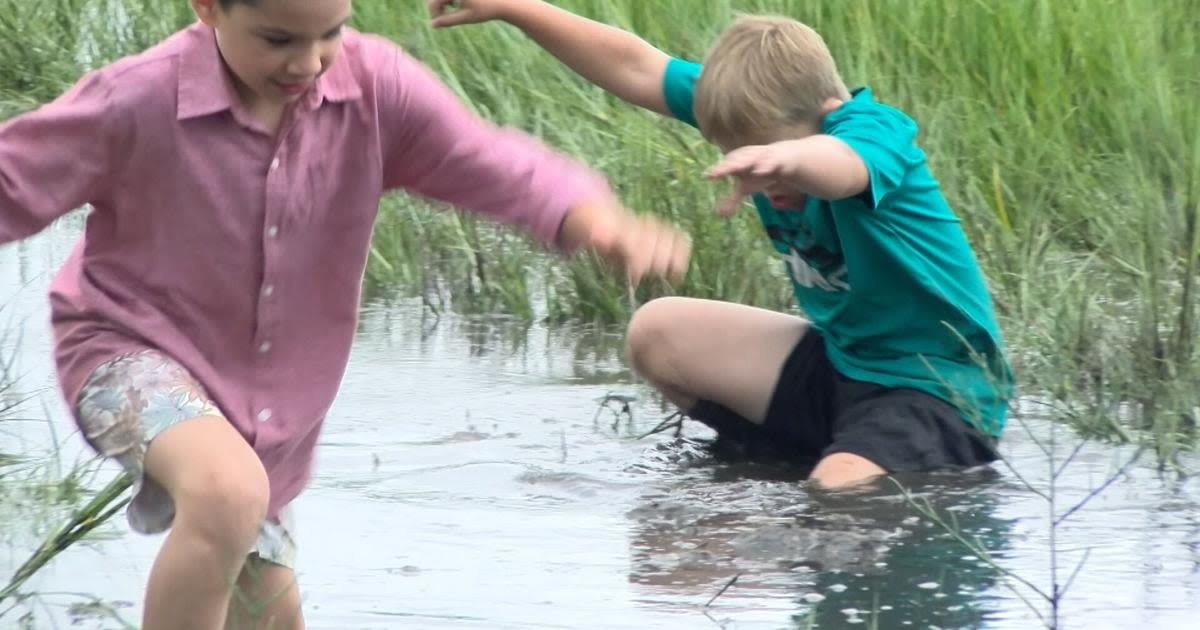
(828, 107)
(206, 11)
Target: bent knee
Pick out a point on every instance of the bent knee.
(648, 335)
(215, 479)
(225, 506)
(845, 470)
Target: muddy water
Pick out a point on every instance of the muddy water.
(469, 478)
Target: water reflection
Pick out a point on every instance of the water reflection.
(466, 481)
(832, 558)
(578, 354)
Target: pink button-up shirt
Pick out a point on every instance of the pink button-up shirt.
(240, 254)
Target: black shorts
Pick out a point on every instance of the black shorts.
(816, 411)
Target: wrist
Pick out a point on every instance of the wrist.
(573, 231)
(793, 160)
(591, 224)
(515, 12)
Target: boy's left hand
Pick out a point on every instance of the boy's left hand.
(789, 171)
(642, 246)
(755, 168)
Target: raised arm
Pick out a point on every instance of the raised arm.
(616, 61)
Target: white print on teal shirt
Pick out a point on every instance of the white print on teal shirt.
(809, 277)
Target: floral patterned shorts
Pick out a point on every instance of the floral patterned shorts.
(130, 400)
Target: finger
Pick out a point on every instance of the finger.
(729, 167)
(741, 190)
(666, 254)
(456, 18)
(681, 255)
(765, 167)
(651, 242)
(438, 7)
(640, 255)
(729, 206)
(445, 17)
(737, 161)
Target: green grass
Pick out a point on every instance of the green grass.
(1065, 133)
(42, 497)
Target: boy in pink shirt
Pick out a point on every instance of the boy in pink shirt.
(204, 320)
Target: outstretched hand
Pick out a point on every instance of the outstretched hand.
(753, 168)
(642, 246)
(447, 13)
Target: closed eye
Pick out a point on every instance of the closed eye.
(279, 39)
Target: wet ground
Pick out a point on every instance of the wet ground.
(469, 478)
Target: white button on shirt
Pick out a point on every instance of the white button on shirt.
(274, 164)
(264, 347)
(273, 231)
(264, 415)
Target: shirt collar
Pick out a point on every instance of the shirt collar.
(205, 87)
(338, 84)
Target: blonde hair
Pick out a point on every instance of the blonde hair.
(763, 72)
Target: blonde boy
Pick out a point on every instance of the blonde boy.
(899, 365)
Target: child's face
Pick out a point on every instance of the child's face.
(276, 49)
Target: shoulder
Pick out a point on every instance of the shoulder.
(683, 69)
(370, 59)
(679, 88)
(145, 82)
(864, 117)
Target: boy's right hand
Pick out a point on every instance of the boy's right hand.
(618, 62)
(465, 11)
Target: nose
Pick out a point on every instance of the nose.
(306, 63)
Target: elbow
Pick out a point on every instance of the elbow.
(13, 228)
(836, 186)
(640, 82)
(15, 222)
(848, 189)
(839, 172)
(844, 185)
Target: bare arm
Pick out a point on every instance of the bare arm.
(821, 166)
(825, 167)
(615, 60)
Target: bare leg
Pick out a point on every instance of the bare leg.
(267, 598)
(727, 353)
(220, 492)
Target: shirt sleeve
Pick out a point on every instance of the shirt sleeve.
(433, 146)
(679, 89)
(885, 143)
(56, 158)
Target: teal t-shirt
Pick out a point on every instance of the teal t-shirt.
(888, 277)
